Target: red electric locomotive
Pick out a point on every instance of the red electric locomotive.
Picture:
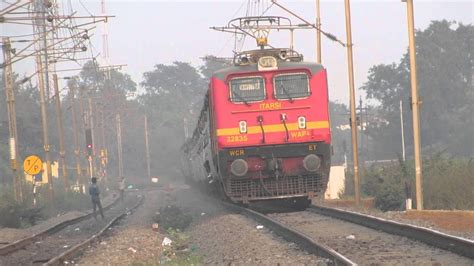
(264, 131)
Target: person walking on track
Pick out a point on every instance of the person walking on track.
(122, 188)
(94, 192)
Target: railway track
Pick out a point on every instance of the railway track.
(367, 245)
(290, 234)
(347, 238)
(455, 244)
(62, 242)
(19, 244)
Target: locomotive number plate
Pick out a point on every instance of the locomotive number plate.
(236, 138)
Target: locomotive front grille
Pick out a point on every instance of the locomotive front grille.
(284, 187)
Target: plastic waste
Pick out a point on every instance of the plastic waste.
(166, 241)
(350, 237)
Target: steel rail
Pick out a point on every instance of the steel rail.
(70, 253)
(455, 244)
(19, 244)
(303, 241)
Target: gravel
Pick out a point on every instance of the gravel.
(231, 239)
(367, 246)
(217, 236)
(132, 241)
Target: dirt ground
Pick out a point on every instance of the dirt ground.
(456, 222)
(450, 220)
(366, 203)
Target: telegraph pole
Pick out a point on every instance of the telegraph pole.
(119, 146)
(350, 65)
(415, 107)
(147, 147)
(12, 128)
(77, 150)
(62, 153)
(318, 32)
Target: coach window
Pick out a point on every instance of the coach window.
(248, 89)
(291, 86)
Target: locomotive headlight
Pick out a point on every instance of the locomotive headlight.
(243, 127)
(311, 163)
(301, 122)
(239, 167)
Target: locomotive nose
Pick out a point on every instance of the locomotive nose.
(311, 163)
(239, 167)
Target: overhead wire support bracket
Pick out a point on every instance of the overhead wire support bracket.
(327, 34)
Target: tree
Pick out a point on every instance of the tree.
(444, 59)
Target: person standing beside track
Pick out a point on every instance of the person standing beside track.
(94, 192)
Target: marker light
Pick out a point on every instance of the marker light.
(301, 122)
(243, 127)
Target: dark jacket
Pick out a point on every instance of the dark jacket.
(94, 192)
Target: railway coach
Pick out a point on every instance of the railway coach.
(263, 132)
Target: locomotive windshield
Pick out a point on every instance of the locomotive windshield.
(290, 86)
(245, 90)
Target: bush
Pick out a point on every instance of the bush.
(172, 217)
(16, 214)
(447, 183)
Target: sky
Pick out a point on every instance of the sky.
(145, 33)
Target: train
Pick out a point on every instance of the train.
(264, 131)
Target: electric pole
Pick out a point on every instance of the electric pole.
(350, 65)
(102, 147)
(119, 146)
(402, 130)
(147, 147)
(91, 126)
(62, 153)
(84, 119)
(43, 81)
(415, 107)
(77, 150)
(318, 32)
(12, 128)
(44, 122)
(361, 123)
